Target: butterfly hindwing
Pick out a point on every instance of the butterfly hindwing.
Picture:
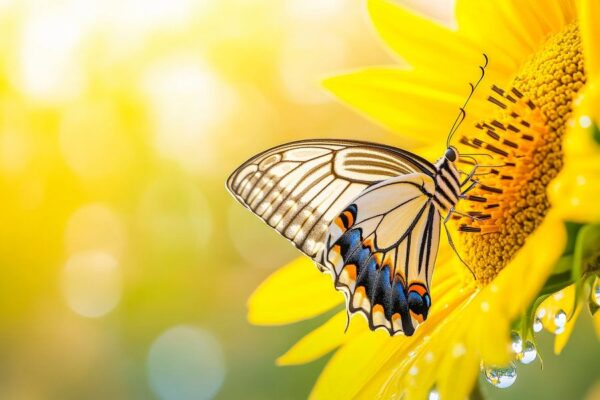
(381, 250)
(299, 188)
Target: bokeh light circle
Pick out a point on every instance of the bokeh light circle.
(95, 226)
(174, 214)
(91, 283)
(102, 149)
(302, 65)
(188, 101)
(186, 362)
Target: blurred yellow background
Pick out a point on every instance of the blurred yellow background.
(125, 264)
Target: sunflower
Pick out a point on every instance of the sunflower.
(519, 231)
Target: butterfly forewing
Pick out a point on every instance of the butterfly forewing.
(299, 188)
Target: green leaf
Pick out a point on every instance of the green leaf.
(573, 229)
(596, 133)
(586, 255)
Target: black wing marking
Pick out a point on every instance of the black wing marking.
(381, 251)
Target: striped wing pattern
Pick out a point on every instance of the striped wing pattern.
(299, 188)
(381, 251)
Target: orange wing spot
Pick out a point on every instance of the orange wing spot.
(417, 288)
(387, 261)
(378, 258)
(350, 218)
(418, 317)
(368, 242)
(351, 271)
(340, 224)
(378, 308)
(336, 249)
(360, 292)
(395, 317)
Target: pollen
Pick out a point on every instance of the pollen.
(522, 148)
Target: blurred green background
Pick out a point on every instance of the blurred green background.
(125, 264)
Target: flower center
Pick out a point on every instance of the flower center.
(524, 140)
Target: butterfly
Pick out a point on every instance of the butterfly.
(368, 214)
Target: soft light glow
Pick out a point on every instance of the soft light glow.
(101, 150)
(186, 362)
(302, 64)
(95, 226)
(91, 283)
(15, 150)
(187, 101)
(175, 214)
(313, 9)
(49, 68)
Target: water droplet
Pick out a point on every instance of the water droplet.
(459, 350)
(537, 325)
(413, 370)
(541, 312)
(433, 394)
(501, 377)
(528, 354)
(597, 293)
(560, 320)
(429, 356)
(517, 342)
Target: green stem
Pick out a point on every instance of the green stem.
(476, 393)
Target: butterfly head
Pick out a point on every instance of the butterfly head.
(451, 154)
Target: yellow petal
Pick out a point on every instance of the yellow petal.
(511, 29)
(410, 104)
(573, 192)
(322, 340)
(351, 366)
(295, 292)
(589, 14)
(427, 45)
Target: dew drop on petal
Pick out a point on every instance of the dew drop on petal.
(585, 121)
(528, 354)
(413, 370)
(597, 293)
(560, 320)
(433, 394)
(501, 377)
(516, 342)
(458, 350)
(537, 325)
(541, 312)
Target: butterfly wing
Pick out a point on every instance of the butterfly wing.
(299, 188)
(381, 251)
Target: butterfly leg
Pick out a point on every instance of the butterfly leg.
(473, 184)
(451, 242)
(472, 217)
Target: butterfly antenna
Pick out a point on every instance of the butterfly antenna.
(462, 113)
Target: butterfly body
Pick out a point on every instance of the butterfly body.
(368, 214)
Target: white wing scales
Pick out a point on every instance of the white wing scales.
(299, 188)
